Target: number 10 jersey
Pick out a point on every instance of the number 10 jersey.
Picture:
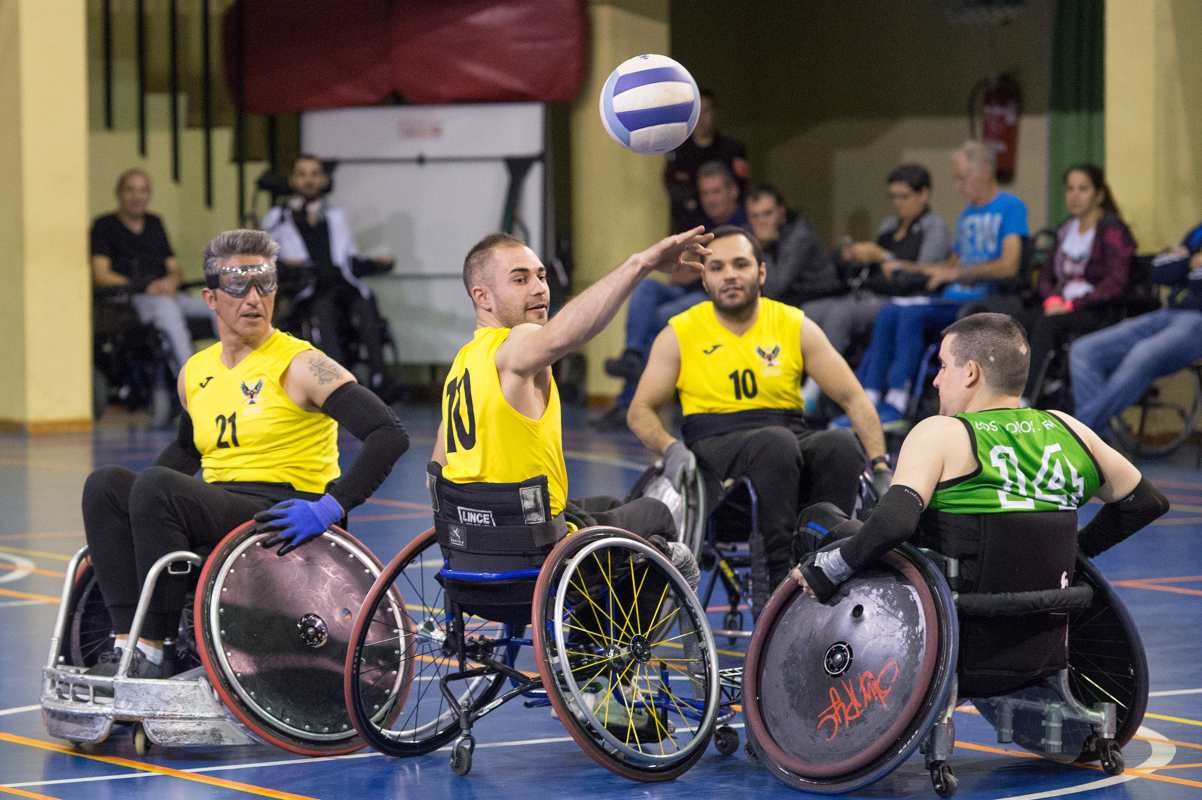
(1027, 460)
(489, 441)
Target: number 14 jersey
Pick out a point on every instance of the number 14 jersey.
(489, 441)
(1027, 460)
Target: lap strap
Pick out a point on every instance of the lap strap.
(500, 539)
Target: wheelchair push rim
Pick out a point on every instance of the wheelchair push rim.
(878, 712)
(306, 612)
(415, 720)
(627, 660)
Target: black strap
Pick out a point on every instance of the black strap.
(701, 426)
(499, 540)
(1020, 604)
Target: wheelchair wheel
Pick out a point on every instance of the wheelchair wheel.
(625, 654)
(837, 695)
(1139, 434)
(90, 631)
(688, 507)
(400, 649)
(272, 634)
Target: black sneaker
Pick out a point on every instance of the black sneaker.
(140, 667)
(612, 420)
(629, 365)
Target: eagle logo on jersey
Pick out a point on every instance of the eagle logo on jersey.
(770, 356)
(252, 392)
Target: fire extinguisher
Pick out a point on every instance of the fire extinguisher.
(999, 101)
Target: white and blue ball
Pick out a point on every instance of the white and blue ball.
(649, 104)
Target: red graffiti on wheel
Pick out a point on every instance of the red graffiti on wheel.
(857, 697)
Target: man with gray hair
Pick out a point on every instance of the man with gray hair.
(988, 250)
(260, 419)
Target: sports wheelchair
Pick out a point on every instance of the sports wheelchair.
(719, 520)
(260, 648)
(621, 649)
(839, 694)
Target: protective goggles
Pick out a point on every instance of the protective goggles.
(237, 280)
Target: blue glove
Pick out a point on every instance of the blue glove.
(294, 522)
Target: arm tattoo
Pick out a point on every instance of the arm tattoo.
(324, 369)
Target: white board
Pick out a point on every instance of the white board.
(422, 184)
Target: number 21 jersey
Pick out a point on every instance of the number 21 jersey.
(1027, 460)
(489, 441)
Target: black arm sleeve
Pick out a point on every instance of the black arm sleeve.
(181, 455)
(384, 441)
(1116, 521)
(893, 521)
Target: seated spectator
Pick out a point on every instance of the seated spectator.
(1090, 271)
(653, 303)
(1112, 368)
(130, 249)
(310, 231)
(988, 249)
(705, 145)
(913, 234)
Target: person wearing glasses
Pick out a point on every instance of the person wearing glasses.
(260, 419)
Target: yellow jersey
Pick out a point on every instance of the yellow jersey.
(489, 441)
(721, 373)
(247, 429)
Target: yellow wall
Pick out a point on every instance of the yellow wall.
(45, 314)
(829, 95)
(618, 201)
(1154, 119)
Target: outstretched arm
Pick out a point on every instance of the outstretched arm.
(532, 348)
(830, 371)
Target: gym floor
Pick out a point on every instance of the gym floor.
(1158, 575)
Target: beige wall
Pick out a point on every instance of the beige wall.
(618, 202)
(829, 94)
(45, 314)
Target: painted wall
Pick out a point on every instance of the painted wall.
(829, 95)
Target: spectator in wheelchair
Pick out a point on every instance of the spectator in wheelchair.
(1112, 368)
(653, 302)
(312, 232)
(130, 251)
(1089, 274)
(501, 422)
(738, 362)
(984, 456)
(260, 420)
(987, 251)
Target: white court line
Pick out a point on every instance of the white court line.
(1162, 753)
(4, 712)
(289, 762)
(1174, 692)
(24, 568)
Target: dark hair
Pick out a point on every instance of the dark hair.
(308, 157)
(915, 176)
(722, 231)
(477, 257)
(766, 190)
(1098, 178)
(716, 168)
(999, 344)
(126, 175)
(706, 93)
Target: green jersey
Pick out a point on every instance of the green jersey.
(1027, 460)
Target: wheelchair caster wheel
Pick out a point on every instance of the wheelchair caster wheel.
(461, 754)
(141, 743)
(943, 779)
(726, 740)
(1111, 757)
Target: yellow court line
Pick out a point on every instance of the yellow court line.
(1152, 776)
(45, 598)
(23, 793)
(1167, 718)
(1146, 775)
(1173, 766)
(21, 551)
(144, 767)
(1174, 742)
(45, 535)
